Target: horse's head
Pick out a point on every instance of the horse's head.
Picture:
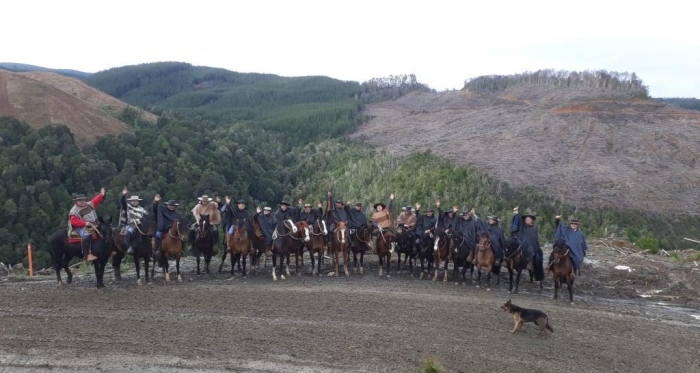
(303, 229)
(341, 232)
(204, 226)
(484, 241)
(178, 228)
(289, 224)
(148, 224)
(560, 250)
(400, 228)
(321, 223)
(241, 224)
(104, 228)
(440, 239)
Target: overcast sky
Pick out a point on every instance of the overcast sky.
(442, 42)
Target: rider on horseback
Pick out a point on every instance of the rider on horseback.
(268, 223)
(82, 218)
(446, 220)
(132, 214)
(574, 238)
(407, 218)
(498, 241)
(425, 222)
(381, 218)
(285, 212)
(238, 212)
(206, 207)
(524, 229)
(308, 215)
(356, 219)
(338, 213)
(166, 217)
(467, 226)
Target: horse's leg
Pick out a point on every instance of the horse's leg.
(137, 266)
(510, 278)
(488, 276)
(223, 259)
(116, 265)
(556, 285)
(288, 258)
(570, 287)
(455, 270)
(274, 266)
(388, 264)
(478, 276)
(177, 267)
(437, 267)
(146, 262)
(196, 254)
(244, 272)
(166, 267)
(297, 261)
(354, 262)
(313, 263)
(362, 260)
(57, 265)
(234, 259)
(66, 268)
(207, 260)
(517, 280)
(346, 259)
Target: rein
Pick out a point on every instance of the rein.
(520, 247)
(170, 231)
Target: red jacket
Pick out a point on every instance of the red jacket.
(77, 222)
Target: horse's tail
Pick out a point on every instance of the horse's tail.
(538, 269)
(496, 269)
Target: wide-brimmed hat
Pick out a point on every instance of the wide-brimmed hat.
(79, 197)
(493, 217)
(574, 221)
(284, 203)
(450, 211)
(172, 203)
(133, 198)
(267, 208)
(358, 204)
(240, 201)
(379, 204)
(529, 213)
(338, 200)
(204, 198)
(307, 205)
(429, 210)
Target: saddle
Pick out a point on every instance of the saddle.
(74, 237)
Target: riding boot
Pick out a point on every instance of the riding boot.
(159, 248)
(86, 243)
(127, 241)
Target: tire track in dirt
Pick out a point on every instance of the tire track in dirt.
(6, 107)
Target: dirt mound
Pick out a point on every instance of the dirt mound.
(41, 99)
(591, 148)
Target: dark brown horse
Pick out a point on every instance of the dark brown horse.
(239, 245)
(362, 242)
(259, 246)
(141, 241)
(386, 245)
(340, 243)
(485, 259)
(282, 246)
(317, 244)
(516, 262)
(172, 247)
(562, 267)
(204, 242)
(441, 251)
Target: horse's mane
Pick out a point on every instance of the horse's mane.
(560, 245)
(485, 235)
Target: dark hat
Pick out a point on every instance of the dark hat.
(358, 204)
(284, 203)
(450, 211)
(307, 205)
(338, 200)
(79, 197)
(529, 213)
(409, 208)
(172, 203)
(493, 217)
(429, 210)
(574, 221)
(379, 204)
(240, 201)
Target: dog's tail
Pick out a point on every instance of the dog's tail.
(549, 327)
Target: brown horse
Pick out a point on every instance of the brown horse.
(386, 245)
(485, 259)
(341, 243)
(317, 244)
(141, 241)
(282, 244)
(259, 246)
(441, 251)
(172, 247)
(562, 267)
(363, 240)
(239, 246)
(302, 237)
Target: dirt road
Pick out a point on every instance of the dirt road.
(306, 324)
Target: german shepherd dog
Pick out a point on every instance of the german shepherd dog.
(523, 315)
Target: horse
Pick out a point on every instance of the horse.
(281, 246)
(239, 245)
(405, 245)
(485, 259)
(441, 251)
(562, 266)
(63, 248)
(515, 260)
(301, 237)
(141, 241)
(339, 244)
(204, 242)
(362, 241)
(317, 244)
(425, 252)
(461, 250)
(171, 247)
(386, 246)
(259, 247)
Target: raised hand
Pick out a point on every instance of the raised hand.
(417, 206)
(558, 217)
(391, 196)
(157, 198)
(437, 202)
(258, 209)
(319, 205)
(300, 201)
(218, 199)
(103, 191)
(125, 191)
(227, 199)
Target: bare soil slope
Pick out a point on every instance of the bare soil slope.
(588, 147)
(41, 99)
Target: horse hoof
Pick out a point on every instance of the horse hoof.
(313, 274)
(477, 286)
(488, 289)
(179, 279)
(331, 274)
(274, 279)
(388, 276)
(362, 271)
(60, 284)
(347, 273)
(139, 282)
(282, 277)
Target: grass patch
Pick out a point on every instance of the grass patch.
(432, 366)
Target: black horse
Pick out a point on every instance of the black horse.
(406, 246)
(62, 251)
(362, 239)
(140, 239)
(425, 252)
(515, 261)
(281, 246)
(461, 250)
(204, 242)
